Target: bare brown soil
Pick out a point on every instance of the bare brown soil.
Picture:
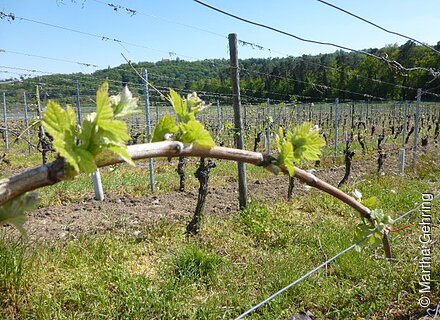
(120, 214)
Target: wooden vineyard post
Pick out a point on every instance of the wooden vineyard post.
(386, 245)
(148, 127)
(239, 141)
(5, 119)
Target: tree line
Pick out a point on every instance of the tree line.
(305, 78)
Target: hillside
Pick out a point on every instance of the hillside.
(305, 78)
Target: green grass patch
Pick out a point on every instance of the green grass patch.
(232, 265)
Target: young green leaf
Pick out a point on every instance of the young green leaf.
(380, 225)
(61, 124)
(13, 211)
(104, 111)
(85, 160)
(195, 104)
(124, 104)
(371, 203)
(180, 106)
(122, 151)
(99, 130)
(88, 134)
(388, 220)
(377, 215)
(285, 157)
(306, 142)
(195, 132)
(115, 131)
(166, 125)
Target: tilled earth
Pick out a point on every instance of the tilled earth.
(128, 214)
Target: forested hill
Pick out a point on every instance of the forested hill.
(306, 78)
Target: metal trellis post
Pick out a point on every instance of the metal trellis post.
(5, 119)
(40, 117)
(148, 119)
(336, 125)
(402, 150)
(219, 116)
(26, 121)
(416, 127)
(268, 126)
(78, 102)
(97, 185)
(157, 112)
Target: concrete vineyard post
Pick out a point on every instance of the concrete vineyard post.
(239, 141)
(97, 185)
(148, 131)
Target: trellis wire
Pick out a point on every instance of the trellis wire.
(308, 274)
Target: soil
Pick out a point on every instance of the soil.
(121, 214)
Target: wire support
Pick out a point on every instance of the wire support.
(102, 37)
(308, 274)
(392, 63)
(377, 26)
(365, 95)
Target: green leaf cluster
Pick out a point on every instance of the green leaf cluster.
(100, 130)
(301, 144)
(380, 221)
(185, 128)
(13, 211)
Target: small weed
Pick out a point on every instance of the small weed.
(194, 264)
(12, 274)
(12, 256)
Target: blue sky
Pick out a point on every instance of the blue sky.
(158, 27)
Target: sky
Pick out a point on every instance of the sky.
(168, 29)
